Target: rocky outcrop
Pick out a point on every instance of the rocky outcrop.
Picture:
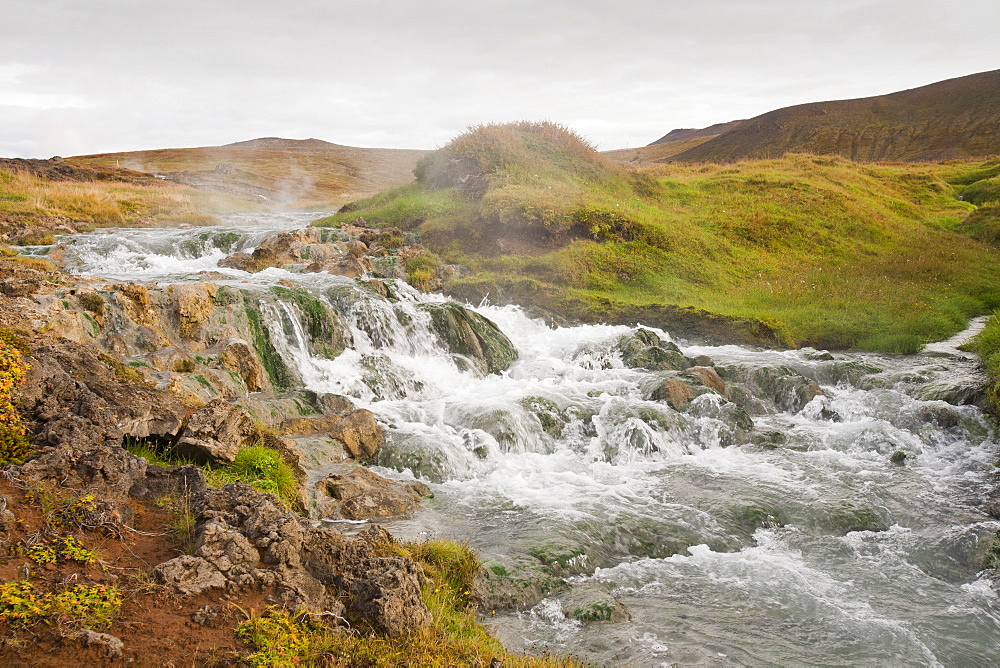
(73, 395)
(313, 249)
(245, 540)
(216, 432)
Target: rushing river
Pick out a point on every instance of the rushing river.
(794, 540)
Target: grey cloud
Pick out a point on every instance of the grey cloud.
(120, 75)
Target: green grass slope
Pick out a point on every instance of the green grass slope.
(956, 118)
(803, 250)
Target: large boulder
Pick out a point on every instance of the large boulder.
(469, 334)
(355, 493)
(781, 388)
(643, 349)
(361, 435)
(216, 432)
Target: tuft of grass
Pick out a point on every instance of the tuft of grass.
(263, 469)
(257, 465)
(986, 345)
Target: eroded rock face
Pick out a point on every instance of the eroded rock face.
(245, 539)
(238, 356)
(195, 302)
(74, 395)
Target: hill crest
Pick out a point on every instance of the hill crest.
(951, 119)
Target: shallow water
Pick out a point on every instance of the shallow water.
(724, 547)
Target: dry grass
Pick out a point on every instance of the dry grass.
(31, 207)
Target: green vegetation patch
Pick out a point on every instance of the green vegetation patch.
(89, 606)
(986, 344)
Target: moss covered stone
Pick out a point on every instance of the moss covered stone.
(465, 332)
(276, 369)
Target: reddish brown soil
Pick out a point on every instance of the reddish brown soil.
(155, 625)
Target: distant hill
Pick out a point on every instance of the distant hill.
(272, 170)
(681, 134)
(673, 143)
(655, 152)
(956, 118)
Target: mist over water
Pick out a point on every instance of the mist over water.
(794, 540)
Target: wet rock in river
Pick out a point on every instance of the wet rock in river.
(645, 350)
(592, 602)
(465, 332)
(710, 378)
(782, 387)
(675, 392)
(506, 582)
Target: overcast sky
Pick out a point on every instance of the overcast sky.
(88, 76)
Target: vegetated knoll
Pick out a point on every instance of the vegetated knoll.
(39, 198)
(274, 171)
(956, 118)
(805, 250)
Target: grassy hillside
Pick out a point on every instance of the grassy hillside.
(273, 171)
(956, 118)
(805, 250)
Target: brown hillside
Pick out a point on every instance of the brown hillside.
(680, 134)
(956, 118)
(282, 172)
(655, 153)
